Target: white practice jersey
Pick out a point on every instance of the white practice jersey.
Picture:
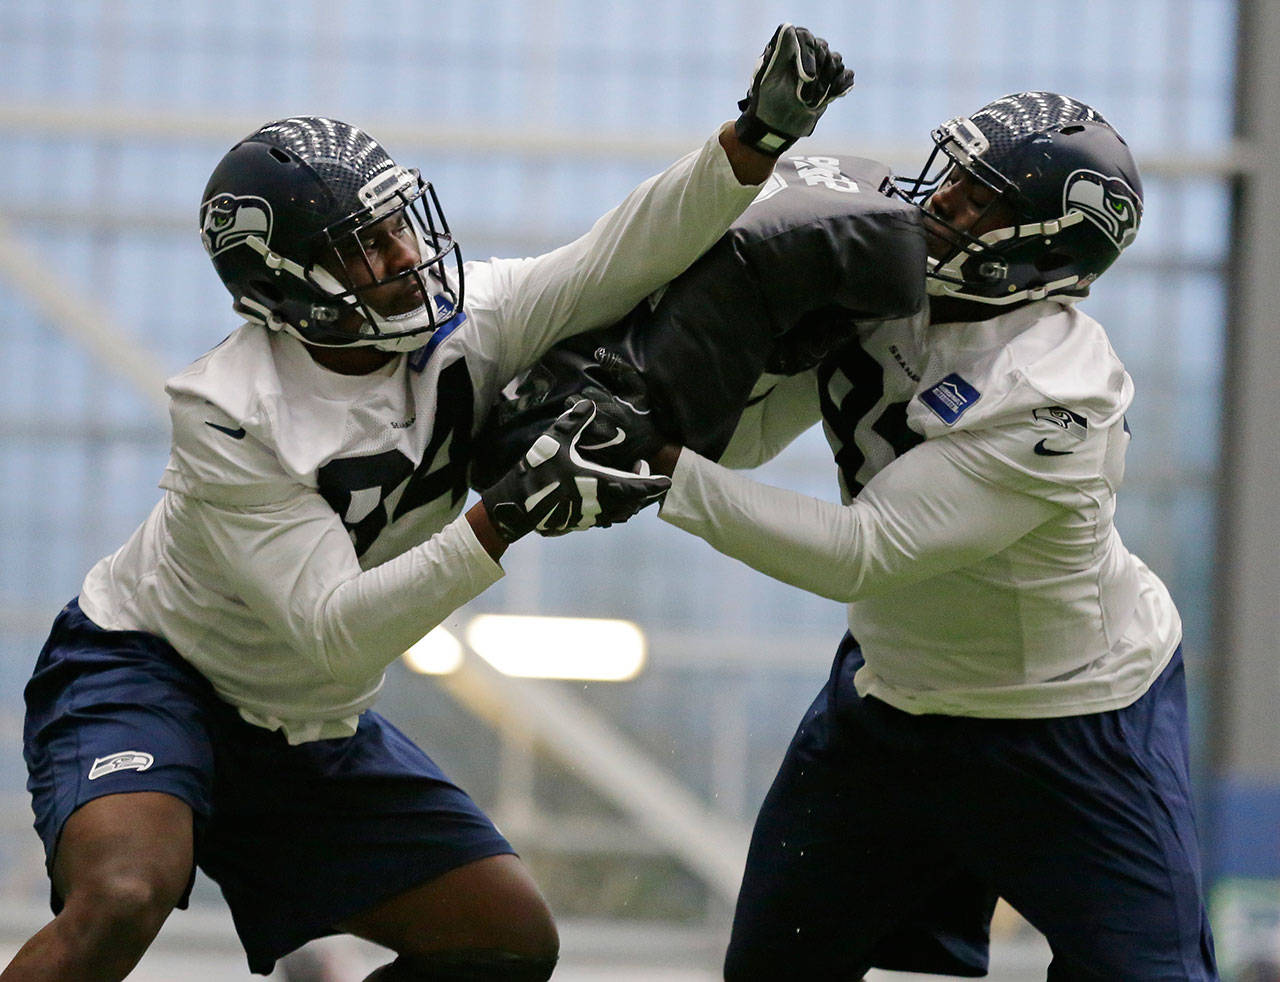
(311, 527)
(978, 465)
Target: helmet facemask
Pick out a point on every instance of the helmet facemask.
(399, 203)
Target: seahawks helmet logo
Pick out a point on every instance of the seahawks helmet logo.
(228, 219)
(1108, 202)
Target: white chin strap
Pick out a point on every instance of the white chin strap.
(935, 286)
(417, 319)
(947, 279)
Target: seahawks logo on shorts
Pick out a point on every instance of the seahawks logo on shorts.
(228, 219)
(1108, 202)
(125, 760)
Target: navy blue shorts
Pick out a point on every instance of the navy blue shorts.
(299, 838)
(886, 839)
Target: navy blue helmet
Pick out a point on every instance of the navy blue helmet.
(1070, 181)
(294, 200)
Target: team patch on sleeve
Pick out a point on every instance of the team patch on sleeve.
(1074, 429)
(1076, 426)
(950, 398)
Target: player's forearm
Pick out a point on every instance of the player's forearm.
(920, 517)
(478, 518)
(368, 621)
(779, 410)
(750, 166)
(651, 237)
(293, 566)
(811, 544)
(665, 460)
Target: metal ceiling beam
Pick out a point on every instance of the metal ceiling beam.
(81, 320)
(707, 843)
(112, 121)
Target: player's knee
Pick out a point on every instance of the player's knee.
(109, 921)
(123, 907)
(488, 965)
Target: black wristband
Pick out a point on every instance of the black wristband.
(760, 137)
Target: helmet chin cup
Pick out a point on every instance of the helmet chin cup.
(399, 343)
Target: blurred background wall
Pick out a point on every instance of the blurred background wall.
(632, 799)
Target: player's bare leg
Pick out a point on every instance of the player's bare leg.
(123, 862)
(484, 917)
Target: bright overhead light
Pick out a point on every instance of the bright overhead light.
(439, 653)
(559, 647)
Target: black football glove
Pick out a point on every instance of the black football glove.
(554, 490)
(795, 80)
(623, 434)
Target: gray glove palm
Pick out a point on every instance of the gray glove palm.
(797, 77)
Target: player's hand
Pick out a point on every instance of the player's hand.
(795, 80)
(554, 490)
(623, 434)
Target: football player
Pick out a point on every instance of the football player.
(205, 700)
(1007, 714)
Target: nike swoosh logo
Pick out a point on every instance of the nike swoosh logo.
(234, 434)
(1044, 451)
(618, 437)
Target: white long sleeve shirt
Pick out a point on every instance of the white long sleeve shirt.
(975, 547)
(310, 529)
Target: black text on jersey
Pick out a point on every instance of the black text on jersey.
(370, 492)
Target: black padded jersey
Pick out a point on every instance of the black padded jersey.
(819, 250)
